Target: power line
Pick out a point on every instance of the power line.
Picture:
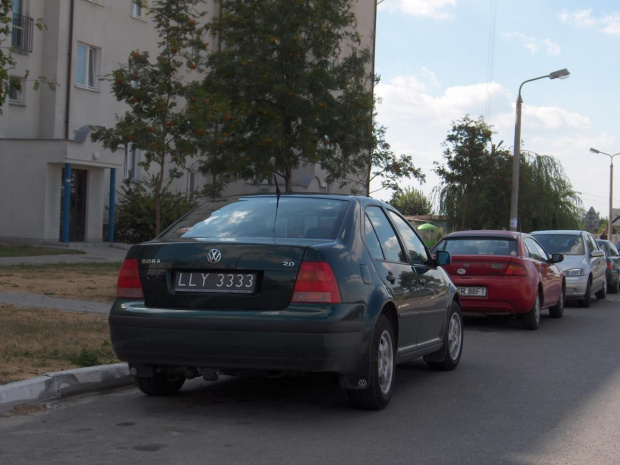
(490, 56)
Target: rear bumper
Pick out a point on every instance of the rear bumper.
(311, 339)
(504, 296)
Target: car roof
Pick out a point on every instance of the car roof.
(559, 231)
(486, 232)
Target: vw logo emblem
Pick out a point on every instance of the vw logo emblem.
(461, 271)
(214, 256)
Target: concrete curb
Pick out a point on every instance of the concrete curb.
(60, 384)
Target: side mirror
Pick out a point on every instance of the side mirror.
(443, 257)
(557, 258)
(597, 253)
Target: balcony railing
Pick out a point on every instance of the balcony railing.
(22, 33)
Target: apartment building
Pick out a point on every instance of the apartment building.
(56, 185)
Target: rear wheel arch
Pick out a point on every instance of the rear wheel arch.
(389, 310)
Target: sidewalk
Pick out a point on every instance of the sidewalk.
(55, 386)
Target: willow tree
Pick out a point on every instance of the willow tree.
(155, 90)
(297, 86)
(547, 199)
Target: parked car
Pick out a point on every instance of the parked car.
(504, 272)
(584, 262)
(286, 284)
(612, 259)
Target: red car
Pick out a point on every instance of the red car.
(505, 272)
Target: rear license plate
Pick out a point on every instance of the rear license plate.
(473, 291)
(215, 281)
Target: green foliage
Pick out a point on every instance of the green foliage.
(134, 212)
(156, 93)
(279, 91)
(387, 166)
(476, 185)
(410, 201)
(547, 199)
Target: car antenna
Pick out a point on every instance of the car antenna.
(277, 202)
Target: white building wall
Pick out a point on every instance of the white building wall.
(37, 137)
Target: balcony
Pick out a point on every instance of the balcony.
(21, 33)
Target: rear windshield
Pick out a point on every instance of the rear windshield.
(314, 218)
(567, 244)
(479, 246)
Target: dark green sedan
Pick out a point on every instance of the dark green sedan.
(286, 284)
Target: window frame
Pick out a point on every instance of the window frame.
(19, 98)
(131, 164)
(89, 71)
(138, 9)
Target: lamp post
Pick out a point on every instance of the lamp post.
(514, 198)
(611, 184)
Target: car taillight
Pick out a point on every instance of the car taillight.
(316, 283)
(515, 269)
(128, 285)
(610, 266)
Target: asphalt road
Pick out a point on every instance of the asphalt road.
(519, 397)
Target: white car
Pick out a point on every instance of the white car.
(584, 264)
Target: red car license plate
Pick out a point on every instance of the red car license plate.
(473, 291)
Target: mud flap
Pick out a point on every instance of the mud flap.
(361, 378)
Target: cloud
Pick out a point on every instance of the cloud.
(555, 118)
(533, 44)
(431, 8)
(408, 99)
(608, 24)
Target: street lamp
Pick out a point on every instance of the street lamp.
(611, 184)
(514, 199)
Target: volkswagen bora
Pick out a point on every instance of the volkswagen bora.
(282, 284)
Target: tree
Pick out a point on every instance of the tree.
(157, 96)
(477, 181)
(294, 80)
(472, 177)
(410, 201)
(387, 166)
(547, 199)
(7, 60)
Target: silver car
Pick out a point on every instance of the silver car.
(584, 263)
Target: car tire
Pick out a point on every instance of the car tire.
(602, 293)
(587, 296)
(613, 288)
(453, 342)
(531, 319)
(382, 370)
(557, 311)
(162, 384)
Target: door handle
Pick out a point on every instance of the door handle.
(390, 277)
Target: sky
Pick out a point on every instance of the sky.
(440, 60)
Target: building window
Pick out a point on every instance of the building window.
(133, 74)
(15, 95)
(138, 8)
(87, 63)
(131, 169)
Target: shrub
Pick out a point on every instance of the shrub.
(135, 210)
